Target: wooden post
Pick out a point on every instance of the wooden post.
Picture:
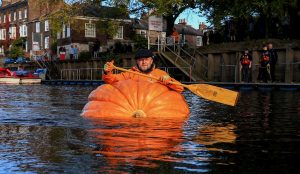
(225, 72)
(288, 66)
(210, 67)
(255, 65)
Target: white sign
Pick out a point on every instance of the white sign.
(35, 46)
(156, 23)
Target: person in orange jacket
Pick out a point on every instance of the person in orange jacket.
(144, 64)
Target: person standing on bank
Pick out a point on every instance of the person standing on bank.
(71, 52)
(273, 60)
(245, 65)
(263, 74)
(145, 65)
(175, 35)
(96, 48)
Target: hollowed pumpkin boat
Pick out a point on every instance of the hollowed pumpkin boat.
(130, 99)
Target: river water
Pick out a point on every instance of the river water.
(41, 131)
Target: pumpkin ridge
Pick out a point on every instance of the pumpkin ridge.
(113, 101)
(146, 105)
(126, 96)
(153, 99)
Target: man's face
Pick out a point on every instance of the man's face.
(145, 64)
(270, 46)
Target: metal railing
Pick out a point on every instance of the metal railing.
(97, 73)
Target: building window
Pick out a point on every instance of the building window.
(119, 34)
(4, 18)
(68, 31)
(0, 19)
(25, 13)
(143, 33)
(37, 27)
(199, 41)
(46, 42)
(46, 25)
(12, 32)
(58, 36)
(64, 31)
(15, 16)
(2, 34)
(9, 17)
(20, 14)
(2, 50)
(90, 30)
(23, 31)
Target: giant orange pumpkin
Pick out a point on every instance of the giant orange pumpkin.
(129, 98)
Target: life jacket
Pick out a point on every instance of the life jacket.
(245, 60)
(266, 58)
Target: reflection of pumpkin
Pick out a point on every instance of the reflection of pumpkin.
(137, 142)
(130, 98)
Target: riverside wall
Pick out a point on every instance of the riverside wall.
(222, 60)
(222, 66)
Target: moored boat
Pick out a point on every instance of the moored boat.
(9, 80)
(9, 77)
(32, 80)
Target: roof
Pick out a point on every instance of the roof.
(140, 24)
(91, 10)
(13, 5)
(181, 28)
(187, 29)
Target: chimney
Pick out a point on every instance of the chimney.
(202, 26)
(182, 21)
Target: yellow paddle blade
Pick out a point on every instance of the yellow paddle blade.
(214, 93)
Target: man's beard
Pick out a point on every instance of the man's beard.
(148, 70)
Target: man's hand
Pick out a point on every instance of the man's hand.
(108, 67)
(165, 79)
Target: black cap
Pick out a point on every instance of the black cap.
(143, 53)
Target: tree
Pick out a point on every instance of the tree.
(265, 11)
(16, 49)
(169, 9)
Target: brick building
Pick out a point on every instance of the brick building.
(13, 23)
(26, 19)
(90, 25)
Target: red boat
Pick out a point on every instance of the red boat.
(9, 77)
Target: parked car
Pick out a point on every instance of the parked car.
(9, 60)
(22, 73)
(22, 60)
(40, 71)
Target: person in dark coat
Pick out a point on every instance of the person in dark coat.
(264, 67)
(96, 48)
(273, 60)
(245, 65)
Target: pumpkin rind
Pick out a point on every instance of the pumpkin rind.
(125, 98)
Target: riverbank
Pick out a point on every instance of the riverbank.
(227, 85)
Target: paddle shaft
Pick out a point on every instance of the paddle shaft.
(145, 75)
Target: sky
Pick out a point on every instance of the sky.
(192, 18)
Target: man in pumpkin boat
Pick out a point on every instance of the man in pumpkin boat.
(145, 65)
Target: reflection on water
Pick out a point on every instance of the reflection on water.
(41, 131)
(138, 142)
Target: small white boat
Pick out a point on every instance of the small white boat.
(9, 80)
(30, 80)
